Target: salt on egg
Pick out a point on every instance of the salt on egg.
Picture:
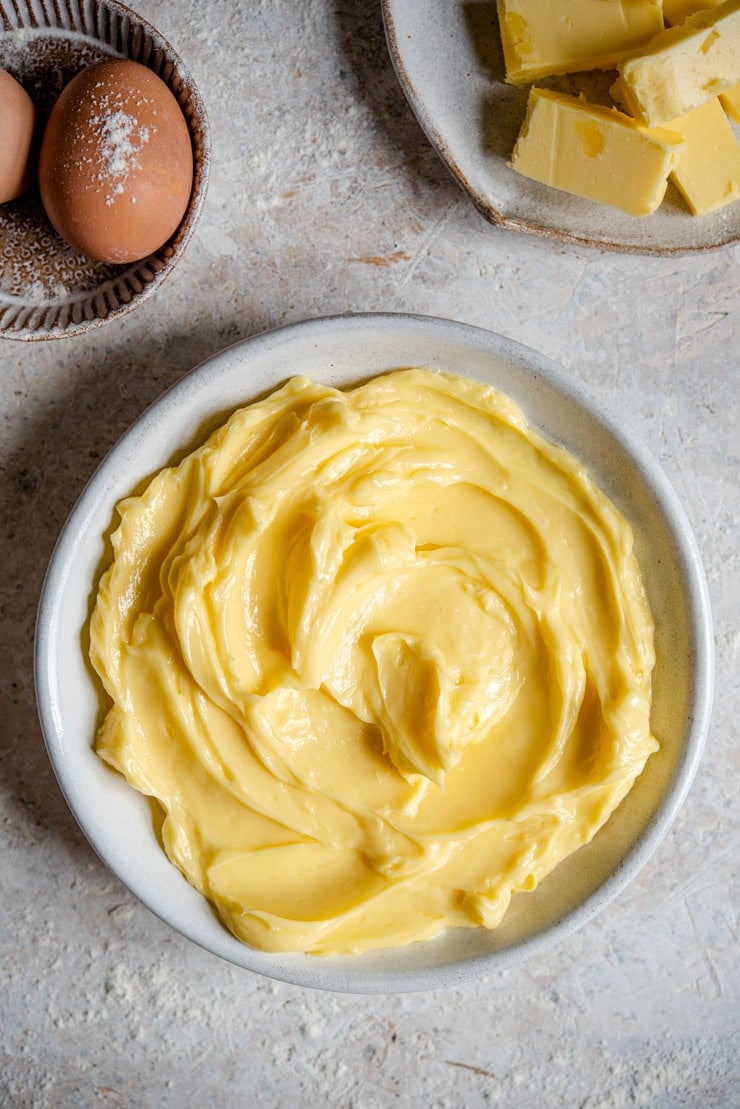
(17, 125)
(116, 162)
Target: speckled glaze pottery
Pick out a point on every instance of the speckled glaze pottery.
(47, 290)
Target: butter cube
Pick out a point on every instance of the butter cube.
(543, 37)
(676, 11)
(683, 67)
(707, 172)
(594, 152)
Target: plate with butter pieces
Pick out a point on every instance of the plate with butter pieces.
(491, 84)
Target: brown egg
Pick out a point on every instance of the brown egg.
(17, 123)
(116, 163)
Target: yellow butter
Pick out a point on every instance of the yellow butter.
(707, 170)
(730, 100)
(543, 37)
(383, 656)
(683, 67)
(594, 152)
(707, 173)
(676, 11)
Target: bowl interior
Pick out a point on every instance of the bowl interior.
(341, 351)
(47, 290)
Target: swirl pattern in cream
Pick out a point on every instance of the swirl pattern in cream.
(383, 656)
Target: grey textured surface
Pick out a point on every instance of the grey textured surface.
(325, 197)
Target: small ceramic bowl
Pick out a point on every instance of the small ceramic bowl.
(47, 290)
(342, 351)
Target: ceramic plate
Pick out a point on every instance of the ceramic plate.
(450, 64)
(341, 351)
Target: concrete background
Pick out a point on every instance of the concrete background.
(325, 197)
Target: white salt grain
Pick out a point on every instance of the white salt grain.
(122, 140)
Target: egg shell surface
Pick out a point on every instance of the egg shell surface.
(116, 162)
(17, 125)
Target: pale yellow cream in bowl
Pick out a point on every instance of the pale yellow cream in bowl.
(383, 656)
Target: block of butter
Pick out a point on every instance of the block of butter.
(543, 37)
(684, 66)
(594, 152)
(676, 11)
(707, 172)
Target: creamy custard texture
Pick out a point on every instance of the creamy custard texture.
(383, 656)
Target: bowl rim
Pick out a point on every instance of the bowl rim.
(329, 974)
(134, 283)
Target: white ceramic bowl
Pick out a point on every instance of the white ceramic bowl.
(340, 351)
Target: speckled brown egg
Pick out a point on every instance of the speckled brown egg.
(116, 163)
(17, 123)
